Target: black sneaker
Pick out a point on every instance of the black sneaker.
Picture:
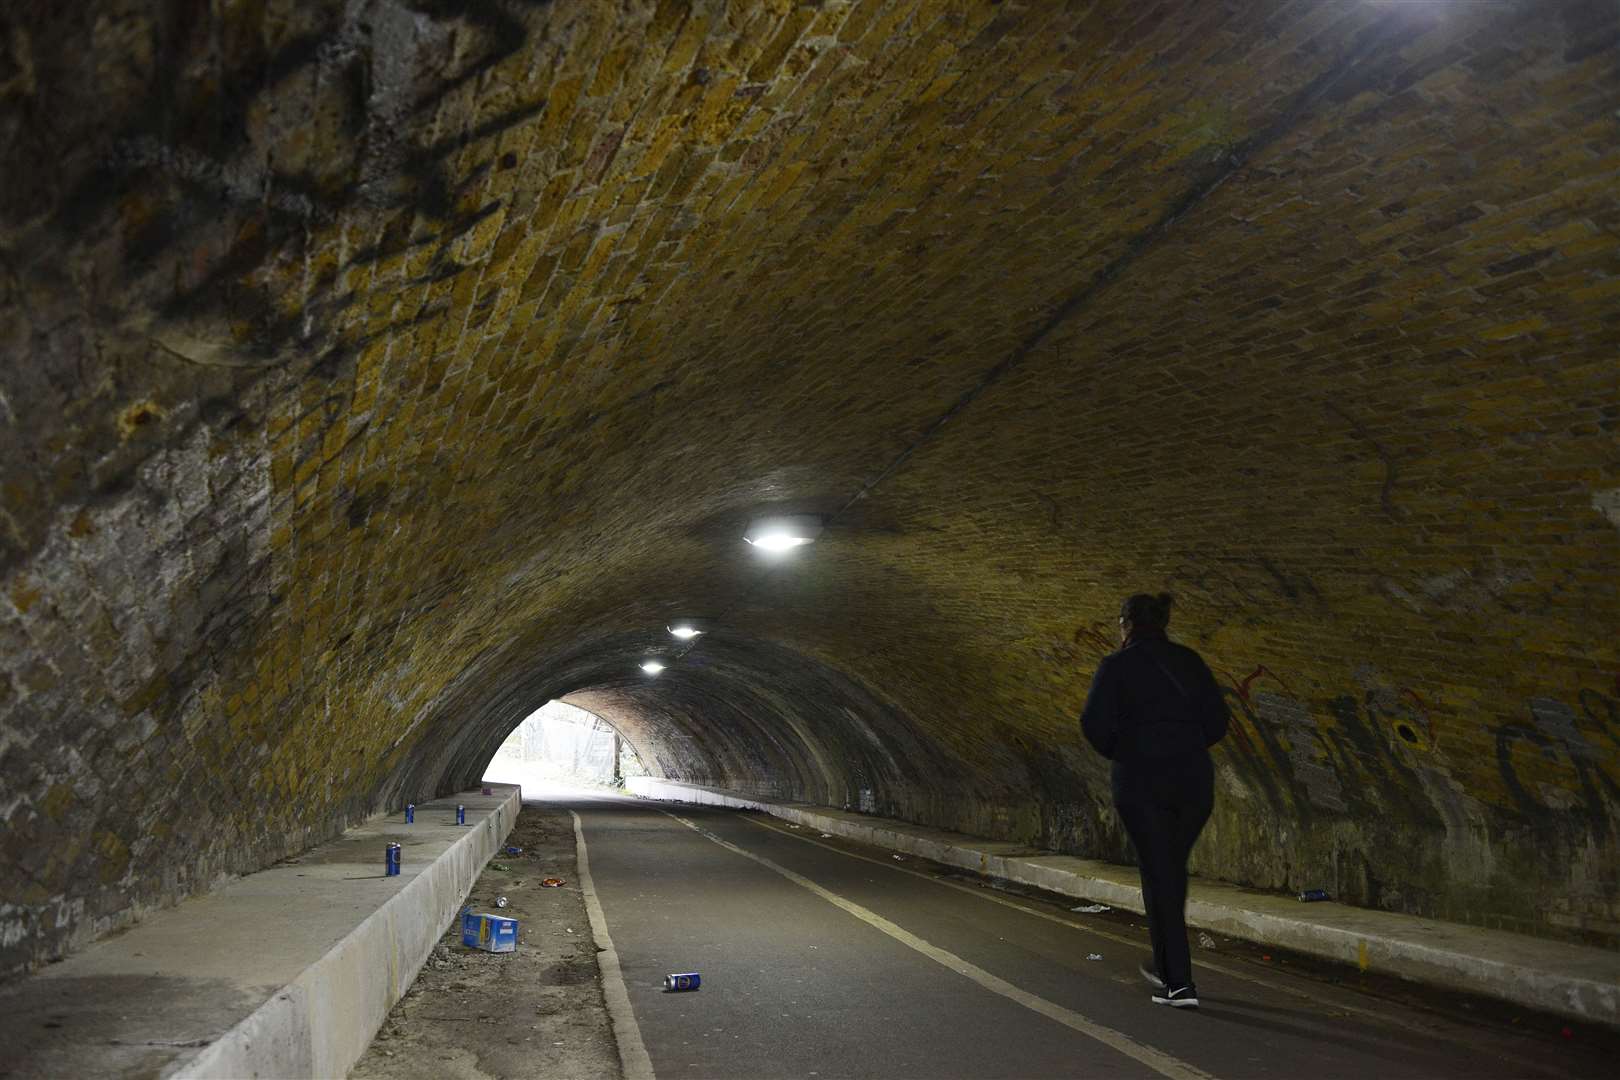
(1181, 997)
(1151, 976)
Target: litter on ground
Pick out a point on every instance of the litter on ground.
(1092, 909)
(1094, 956)
(551, 882)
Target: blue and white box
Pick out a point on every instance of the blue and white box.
(492, 933)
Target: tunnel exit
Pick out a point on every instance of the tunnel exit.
(562, 745)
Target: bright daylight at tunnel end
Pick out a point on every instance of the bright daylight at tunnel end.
(798, 389)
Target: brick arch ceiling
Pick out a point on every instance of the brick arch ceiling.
(383, 369)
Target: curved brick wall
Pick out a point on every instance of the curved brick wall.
(380, 370)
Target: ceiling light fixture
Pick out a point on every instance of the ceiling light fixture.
(652, 667)
(784, 533)
(684, 630)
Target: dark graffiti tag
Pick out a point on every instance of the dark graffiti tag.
(1556, 733)
(1277, 747)
(1404, 712)
(1380, 779)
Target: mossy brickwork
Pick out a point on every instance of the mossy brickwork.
(381, 370)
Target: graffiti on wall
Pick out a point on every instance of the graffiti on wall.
(1371, 757)
(1535, 756)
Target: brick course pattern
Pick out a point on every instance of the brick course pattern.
(381, 370)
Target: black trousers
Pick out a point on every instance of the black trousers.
(1164, 803)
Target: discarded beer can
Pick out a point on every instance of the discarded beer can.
(391, 860)
(1310, 895)
(500, 901)
(410, 813)
(461, 814)
(686, 980)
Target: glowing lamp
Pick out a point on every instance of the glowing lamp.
(778, 534)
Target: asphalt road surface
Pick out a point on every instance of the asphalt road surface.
(823, 958)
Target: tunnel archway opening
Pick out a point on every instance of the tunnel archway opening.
(563, 745)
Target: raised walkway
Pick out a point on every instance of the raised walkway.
(1569, 980)
(285, 972)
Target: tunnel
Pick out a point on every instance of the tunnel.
(379, 371)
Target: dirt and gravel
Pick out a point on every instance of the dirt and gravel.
(537, 1012)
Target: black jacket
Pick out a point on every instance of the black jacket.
(1153, 699)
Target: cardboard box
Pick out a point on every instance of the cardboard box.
(492, 933)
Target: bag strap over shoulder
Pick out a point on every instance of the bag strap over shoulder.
(1175, 682)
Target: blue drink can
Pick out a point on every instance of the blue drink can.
(410, 813)
(686, 980)
(1312, 895)
(391, 861)
(461, 814)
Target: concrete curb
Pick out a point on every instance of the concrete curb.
(321, 1022)
(1569, 980)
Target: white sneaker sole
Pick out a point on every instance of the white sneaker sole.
(1176, 1003)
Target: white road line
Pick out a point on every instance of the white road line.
(1428, 1031)
(633, 1057)
(979, 891)
(1157, 1060)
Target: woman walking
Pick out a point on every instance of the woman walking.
(1154, 711)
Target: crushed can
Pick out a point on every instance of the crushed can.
(410, 813)
(461, 814)
(1312, 895)
(391, 860)
(685, 980)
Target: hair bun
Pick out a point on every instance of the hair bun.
(1146, 611)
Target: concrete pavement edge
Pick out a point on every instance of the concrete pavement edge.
(320, 1023)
